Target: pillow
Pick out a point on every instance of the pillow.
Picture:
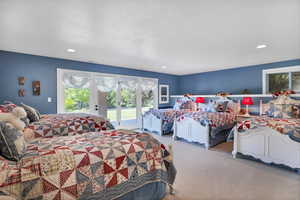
(191, 105)
(6, 108)
(210, 107)
(12, 142)
(296, 111)
(233, 107)
(280, 110)
(221, 106)
(32, 113)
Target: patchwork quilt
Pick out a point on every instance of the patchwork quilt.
(218, 121)
(68, 124)
(287, 126)
(97, 165)
(167, 116)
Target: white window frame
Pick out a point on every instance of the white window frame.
(60, 89)
(166, 96)
(288, 70)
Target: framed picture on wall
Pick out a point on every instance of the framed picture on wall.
(163, 94)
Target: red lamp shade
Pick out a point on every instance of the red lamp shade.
(247, 101)
(200, 100)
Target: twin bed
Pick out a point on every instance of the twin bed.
(161, 121)
(207, 127)
(273, 137)
(79, 156)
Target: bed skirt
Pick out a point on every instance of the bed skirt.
(156, 189)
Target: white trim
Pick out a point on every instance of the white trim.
(276, 71)
(105, 74)
(167, 95)
(58, 91)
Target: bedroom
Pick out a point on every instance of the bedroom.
(157, 73)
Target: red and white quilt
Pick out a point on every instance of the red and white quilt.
(68, 124)
(94, 165)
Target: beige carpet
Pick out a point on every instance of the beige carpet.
(215, 175)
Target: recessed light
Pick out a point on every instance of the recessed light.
(164, 67)
(71, 50)
(261, 46)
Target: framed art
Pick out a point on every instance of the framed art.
(36, 88)
(163, 94)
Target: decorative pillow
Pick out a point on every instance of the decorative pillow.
(296, 111)
(280, 110)
(32, 114)
(7, 107)
(221, 106)
(233, 107)
(12, 142)
(210, 107)
(191, 105)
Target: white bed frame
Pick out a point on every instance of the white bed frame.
(192, 131)
(268, 146)
(152, 123)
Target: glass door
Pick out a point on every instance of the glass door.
(121, 99)
(128, 102)
(106, 97)
(148, 94)
(76, 92)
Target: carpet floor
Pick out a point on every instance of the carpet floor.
(215, 175)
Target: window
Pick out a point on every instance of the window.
(287, 78)
(120, 98)
(163, 94)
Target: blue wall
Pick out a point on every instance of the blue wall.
(13, 65)
(231, 80)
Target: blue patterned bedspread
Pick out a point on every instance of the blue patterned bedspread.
(167, 116)
(218, 121)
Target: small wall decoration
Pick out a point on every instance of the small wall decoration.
(36, 88)
(21, 80)
(163, 94)
(21, 92)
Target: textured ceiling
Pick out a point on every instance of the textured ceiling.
(185, 36)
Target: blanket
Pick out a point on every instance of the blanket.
(68, 124)
(167, 116)
(96, 165)
(286, 126)
(217, 121)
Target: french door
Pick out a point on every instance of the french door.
(121, 99)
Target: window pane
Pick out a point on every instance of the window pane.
(278, 82)
(296, 81)
(77, 99)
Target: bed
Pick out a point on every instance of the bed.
(161, 121)
(51, 125)
(207, 128)
(114, 164)
(270, 139)
(68, 124)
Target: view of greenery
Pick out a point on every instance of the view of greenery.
(278, 82)
(77, 100)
